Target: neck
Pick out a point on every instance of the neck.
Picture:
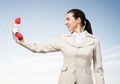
(79, 29)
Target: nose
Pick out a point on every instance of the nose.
(66, 22)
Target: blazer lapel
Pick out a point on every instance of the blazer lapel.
(86, 42)
(70, 40)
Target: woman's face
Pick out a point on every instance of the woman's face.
(71, 22)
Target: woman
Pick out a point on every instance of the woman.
(79, 48)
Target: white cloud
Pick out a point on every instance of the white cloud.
(111, 56)
(111, 63)
(112, 80)
(32, 70)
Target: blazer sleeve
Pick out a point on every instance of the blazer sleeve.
(97, 61)
(43, 47)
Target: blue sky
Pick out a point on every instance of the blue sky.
(45, 20)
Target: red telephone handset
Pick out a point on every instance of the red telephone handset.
(18, 20)
(18, 34)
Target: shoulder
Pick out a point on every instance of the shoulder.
(96, 40)
(93, 37)
(65, 35)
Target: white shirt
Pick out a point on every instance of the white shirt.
(79, 36)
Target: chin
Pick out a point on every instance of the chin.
(70, 30)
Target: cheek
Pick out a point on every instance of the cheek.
(73, 25)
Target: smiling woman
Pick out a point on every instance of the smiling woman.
(79, 48)
(75, 17)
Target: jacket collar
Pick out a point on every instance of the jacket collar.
(69, 38)
(87, 34)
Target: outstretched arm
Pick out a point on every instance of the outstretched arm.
(50, 46)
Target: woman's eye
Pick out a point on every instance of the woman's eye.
(68, 19)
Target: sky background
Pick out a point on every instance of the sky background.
(44, 20)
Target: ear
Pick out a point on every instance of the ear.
(78, 20)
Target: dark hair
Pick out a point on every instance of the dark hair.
(85, 22)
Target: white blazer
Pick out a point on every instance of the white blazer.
(77, 58)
